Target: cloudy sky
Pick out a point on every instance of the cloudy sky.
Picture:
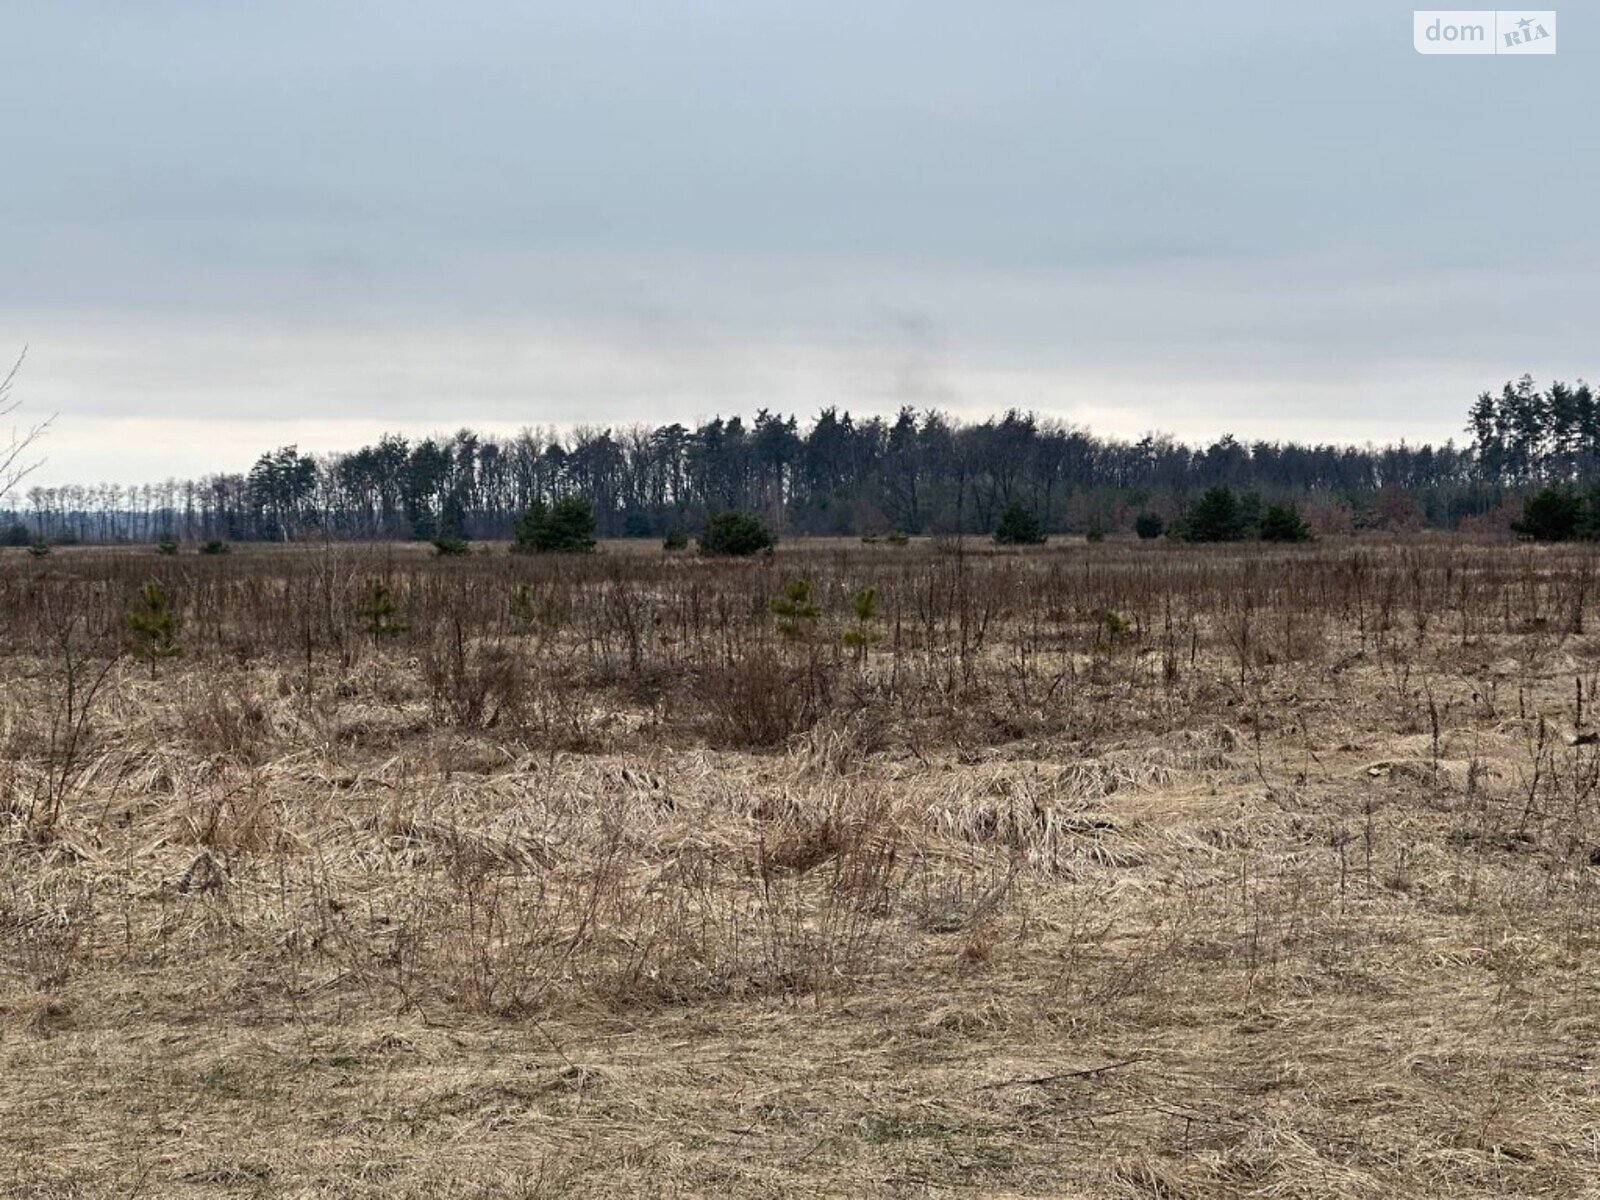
(226, 226)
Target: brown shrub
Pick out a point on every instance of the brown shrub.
(761, 700)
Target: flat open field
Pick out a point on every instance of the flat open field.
(1116, 870)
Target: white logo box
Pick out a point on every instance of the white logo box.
(1484, 31)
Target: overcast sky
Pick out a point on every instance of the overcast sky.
(226, 226)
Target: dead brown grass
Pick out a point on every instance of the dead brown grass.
(1281, 884)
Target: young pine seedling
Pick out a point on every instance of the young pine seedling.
(153, 627)
(860, 637)
(379, 613)
(795, 609)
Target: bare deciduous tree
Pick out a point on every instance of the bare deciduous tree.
(15, 462)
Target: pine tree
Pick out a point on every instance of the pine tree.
(1216, 517)
(859, 638)
(1527, 415)
(1283, 523)
(1487, 435)
(379, 612)
(735, 535)
(565, 527)
(1553, 514)
(795, 608)
(153, 627)
(1018, 526)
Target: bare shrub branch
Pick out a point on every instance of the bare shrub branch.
(15, 461)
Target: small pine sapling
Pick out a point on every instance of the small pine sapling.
(153, 627)
(861, 636)
(379, 613)
(1114, 625)
(795, 609)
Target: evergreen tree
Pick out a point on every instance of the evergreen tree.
(279, 485)
(735, 535)
(795, 609)
(1215, 517)
(1486, 429)
(864, 604)
(153, 627)
(1147, 525)
(565, 527)
(1018, 526)
(1526, 413)
(379, 612)
(1283, 523)
(1553, 514)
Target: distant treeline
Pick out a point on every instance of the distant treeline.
(919, 472)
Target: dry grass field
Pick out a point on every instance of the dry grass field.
(1117, 870)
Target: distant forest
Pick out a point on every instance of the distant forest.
(919, 472)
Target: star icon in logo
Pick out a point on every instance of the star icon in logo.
(1524, 23)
